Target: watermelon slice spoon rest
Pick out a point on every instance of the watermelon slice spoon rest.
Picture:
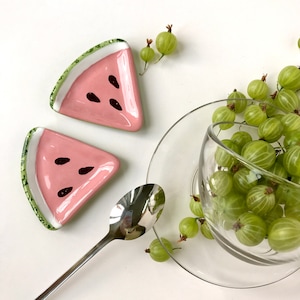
(60, 174)
(101, 87)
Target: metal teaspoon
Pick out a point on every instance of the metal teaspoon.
(134, 214)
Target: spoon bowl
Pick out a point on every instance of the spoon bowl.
(132, 216)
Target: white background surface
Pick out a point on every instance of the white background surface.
(222, 45)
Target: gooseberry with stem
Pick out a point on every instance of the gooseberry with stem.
(147, 54)
(166, 42)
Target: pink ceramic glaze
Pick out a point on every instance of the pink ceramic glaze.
(68, 173)
(102, 88)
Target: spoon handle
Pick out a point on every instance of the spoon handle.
(55, 285)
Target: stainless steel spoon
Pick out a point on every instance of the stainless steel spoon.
(131, 217)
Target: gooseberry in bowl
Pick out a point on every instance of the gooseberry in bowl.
(265, 230)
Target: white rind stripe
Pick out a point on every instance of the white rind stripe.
(32, 178)
(83, 65)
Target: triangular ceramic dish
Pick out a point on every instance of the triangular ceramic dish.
(60, 174)
(101, 87)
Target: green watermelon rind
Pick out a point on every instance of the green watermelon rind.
(65, 74)
(25, 184)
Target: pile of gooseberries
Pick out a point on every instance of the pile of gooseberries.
(256, 206)
(166, 43)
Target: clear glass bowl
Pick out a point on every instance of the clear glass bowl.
(174, 165)
(218, 212)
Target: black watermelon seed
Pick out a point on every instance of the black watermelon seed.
(115, 104)
(83, 171)
(65, 191)
(92, 97)
(62, 160)
(113, 80)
